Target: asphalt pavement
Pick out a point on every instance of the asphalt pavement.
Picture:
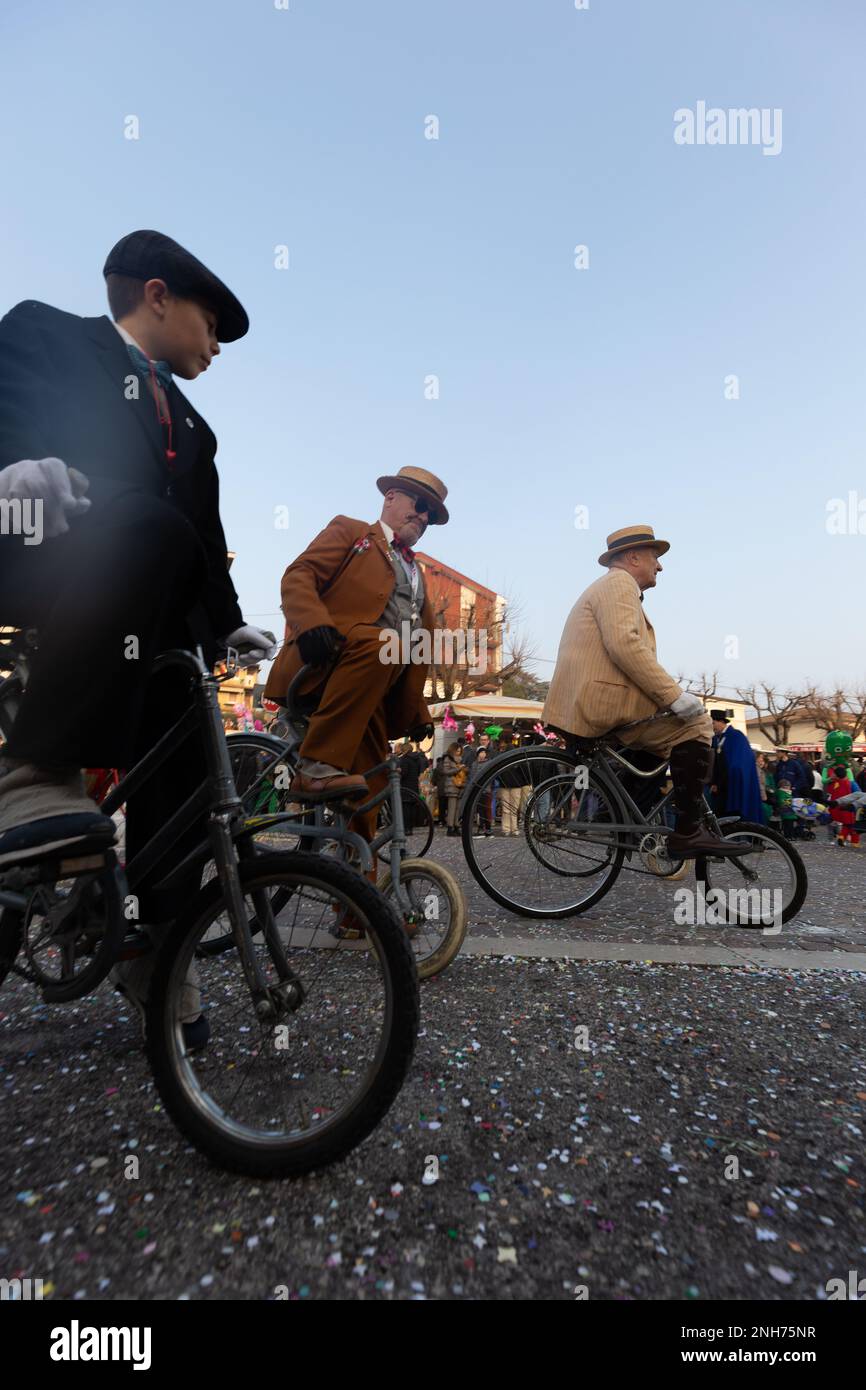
(609, 1129)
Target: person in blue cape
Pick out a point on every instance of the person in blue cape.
(736, 788)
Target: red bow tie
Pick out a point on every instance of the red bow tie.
(402, 549)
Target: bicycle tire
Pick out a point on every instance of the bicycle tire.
(221, 1145)
(440, 958)
(495, 769)
(801, 881)
(422, 820)
(251, 757)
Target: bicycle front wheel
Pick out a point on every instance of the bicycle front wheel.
(561, 859)
(262, 771)
(762, 890)
(436, 913)
(283, 1097)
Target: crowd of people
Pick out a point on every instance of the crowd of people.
(798, 789)
(442, 782)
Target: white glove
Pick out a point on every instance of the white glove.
(254, 642)
(687, 705)
(60, 490)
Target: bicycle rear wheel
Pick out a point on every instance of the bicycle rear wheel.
(418, 823)
(563, 860)
(69, 935)
(283, 1097)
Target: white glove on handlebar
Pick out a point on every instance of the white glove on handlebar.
(686, 705)
(255, 644)
(59, 489)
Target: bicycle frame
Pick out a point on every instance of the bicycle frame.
(226, 823)
(598, 765)
(395, 833)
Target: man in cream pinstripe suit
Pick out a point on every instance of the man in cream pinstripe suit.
(607, 674)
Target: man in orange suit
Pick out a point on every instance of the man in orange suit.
(352, 585)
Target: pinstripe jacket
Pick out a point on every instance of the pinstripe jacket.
(606, 669)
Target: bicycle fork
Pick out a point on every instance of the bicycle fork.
(228, 810)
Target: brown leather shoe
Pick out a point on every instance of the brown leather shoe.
(337, 787)
(700, 842)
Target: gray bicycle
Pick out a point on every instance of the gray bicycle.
(427, 897)
(580, 826)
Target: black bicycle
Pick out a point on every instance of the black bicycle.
(578, 827)
(310, 1037)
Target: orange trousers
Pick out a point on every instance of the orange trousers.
(349, 728)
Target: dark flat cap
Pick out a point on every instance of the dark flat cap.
(153, 256)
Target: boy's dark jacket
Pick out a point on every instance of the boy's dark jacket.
(65, 392)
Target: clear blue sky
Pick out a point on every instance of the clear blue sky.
(559, 387)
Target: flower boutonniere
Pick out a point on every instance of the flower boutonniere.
(361, 545)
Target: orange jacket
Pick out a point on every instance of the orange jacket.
(344, 579)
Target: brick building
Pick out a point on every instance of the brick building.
(460, 603)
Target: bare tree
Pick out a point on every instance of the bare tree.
(704, 685)
(838, 709)
(525, 686)
(776, 712)
(452, 675)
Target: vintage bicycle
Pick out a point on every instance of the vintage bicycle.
(426, 895)
(579, 827)
(310, 1036)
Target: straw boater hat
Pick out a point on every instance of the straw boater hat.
(632, 538)
(419, 483)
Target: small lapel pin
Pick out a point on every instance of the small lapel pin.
(190, 423)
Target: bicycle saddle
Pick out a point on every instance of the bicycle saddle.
(81, 832)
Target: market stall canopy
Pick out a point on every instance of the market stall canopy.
(503, 708)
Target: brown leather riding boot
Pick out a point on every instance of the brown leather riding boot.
(690, 769)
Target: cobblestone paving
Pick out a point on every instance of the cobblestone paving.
(641, 908)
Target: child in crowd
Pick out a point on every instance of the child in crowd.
(839, 785)
(785, 803)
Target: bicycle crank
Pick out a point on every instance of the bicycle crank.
(653, 851)
(72, 928)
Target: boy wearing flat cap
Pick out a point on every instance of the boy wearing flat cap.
(95, 432)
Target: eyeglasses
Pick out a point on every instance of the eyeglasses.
(422, 506)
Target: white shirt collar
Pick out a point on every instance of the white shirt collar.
(128, 338)
(389, 531)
